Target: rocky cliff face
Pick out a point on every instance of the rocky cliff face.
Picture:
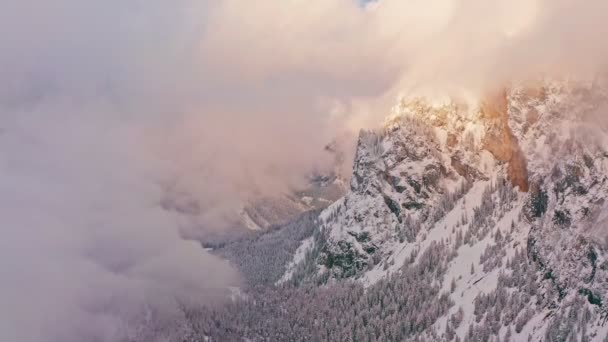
(500, 141)
(522, 173)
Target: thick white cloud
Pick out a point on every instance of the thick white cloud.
(104, 105)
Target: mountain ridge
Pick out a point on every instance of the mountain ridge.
(433, 161)
(463, 222)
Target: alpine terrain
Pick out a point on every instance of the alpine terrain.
(463, 222)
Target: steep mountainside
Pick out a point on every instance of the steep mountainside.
(463, 222)
(519, 179)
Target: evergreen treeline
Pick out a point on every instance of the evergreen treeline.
(404, 306)
(262, 257)
(395, 309)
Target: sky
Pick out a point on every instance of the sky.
(108, 106)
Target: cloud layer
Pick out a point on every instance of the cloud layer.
(104, 106)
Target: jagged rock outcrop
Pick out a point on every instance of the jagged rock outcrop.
(399, 175)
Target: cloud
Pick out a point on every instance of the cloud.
(107, 106)
(363, 57)
(85, 241)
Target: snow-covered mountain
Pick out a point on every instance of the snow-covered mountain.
(464, 221)
(513, 190)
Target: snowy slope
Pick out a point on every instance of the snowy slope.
(526, 231)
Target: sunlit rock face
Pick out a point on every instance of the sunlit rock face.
(483, 126)
(500, 141)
